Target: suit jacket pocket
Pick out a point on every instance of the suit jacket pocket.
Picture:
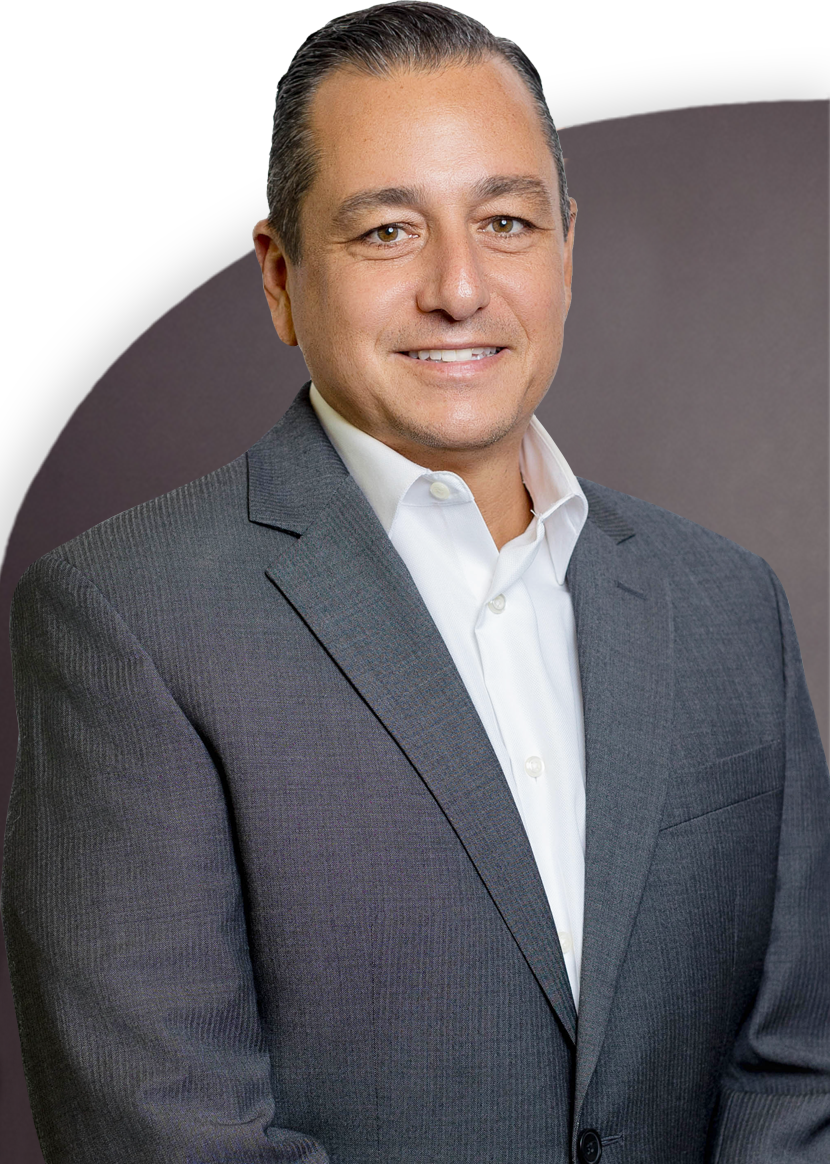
(695, 792)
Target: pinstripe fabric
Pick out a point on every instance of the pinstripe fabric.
(268, 898)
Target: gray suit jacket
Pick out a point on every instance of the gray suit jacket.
(267, 895)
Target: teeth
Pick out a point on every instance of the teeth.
(452, 355)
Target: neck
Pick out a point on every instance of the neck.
(495, 481)
(492, 474)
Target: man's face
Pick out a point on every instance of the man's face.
(432, 227)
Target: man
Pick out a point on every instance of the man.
(389, 794)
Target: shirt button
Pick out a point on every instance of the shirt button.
(534, 766)
(497, 604)
(440, 491)
(565, 941)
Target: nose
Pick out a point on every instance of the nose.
(453, 280)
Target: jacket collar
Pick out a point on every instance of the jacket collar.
(293, 471)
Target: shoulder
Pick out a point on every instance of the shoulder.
(165, 541)
(688, 554)
(195, 554)
(730, 620)
(175, 520)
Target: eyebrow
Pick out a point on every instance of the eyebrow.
(495, 186)
(374, 200)
(524, 187)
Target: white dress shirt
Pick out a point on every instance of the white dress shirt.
(507, 620)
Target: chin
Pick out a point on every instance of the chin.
(456, 435)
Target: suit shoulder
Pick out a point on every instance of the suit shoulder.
(681, 544)
(173, 526)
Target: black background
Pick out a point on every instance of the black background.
(135, 168)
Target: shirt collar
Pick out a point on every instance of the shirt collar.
(385, 477)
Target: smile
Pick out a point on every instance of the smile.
(453, 355)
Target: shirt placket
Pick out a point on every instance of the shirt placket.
(516, 678)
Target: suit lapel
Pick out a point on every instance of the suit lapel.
(347, 583)
(624, 640)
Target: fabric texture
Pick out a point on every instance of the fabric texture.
(267, 895)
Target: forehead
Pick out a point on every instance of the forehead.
(442, 128)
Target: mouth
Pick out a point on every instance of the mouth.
(452, 355)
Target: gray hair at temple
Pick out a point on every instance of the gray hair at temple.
(408, 34)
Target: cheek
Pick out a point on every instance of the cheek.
(534, 293)
(322, 320)
(379, 299)
(363, 305)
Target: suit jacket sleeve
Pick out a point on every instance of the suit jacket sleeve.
(123, 907)
(775, 1099)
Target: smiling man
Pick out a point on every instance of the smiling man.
(390, 795)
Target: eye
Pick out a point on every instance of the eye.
(505, 225)
(390, 232)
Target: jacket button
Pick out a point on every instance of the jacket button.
(588, 1147)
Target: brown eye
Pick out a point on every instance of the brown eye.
(388, 233)
(503, 225)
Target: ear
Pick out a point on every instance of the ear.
(568, 264)
(274, 267)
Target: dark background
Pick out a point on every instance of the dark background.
(136, 168)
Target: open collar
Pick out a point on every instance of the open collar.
(386, 478)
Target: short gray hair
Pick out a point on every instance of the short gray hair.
(409, 34)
